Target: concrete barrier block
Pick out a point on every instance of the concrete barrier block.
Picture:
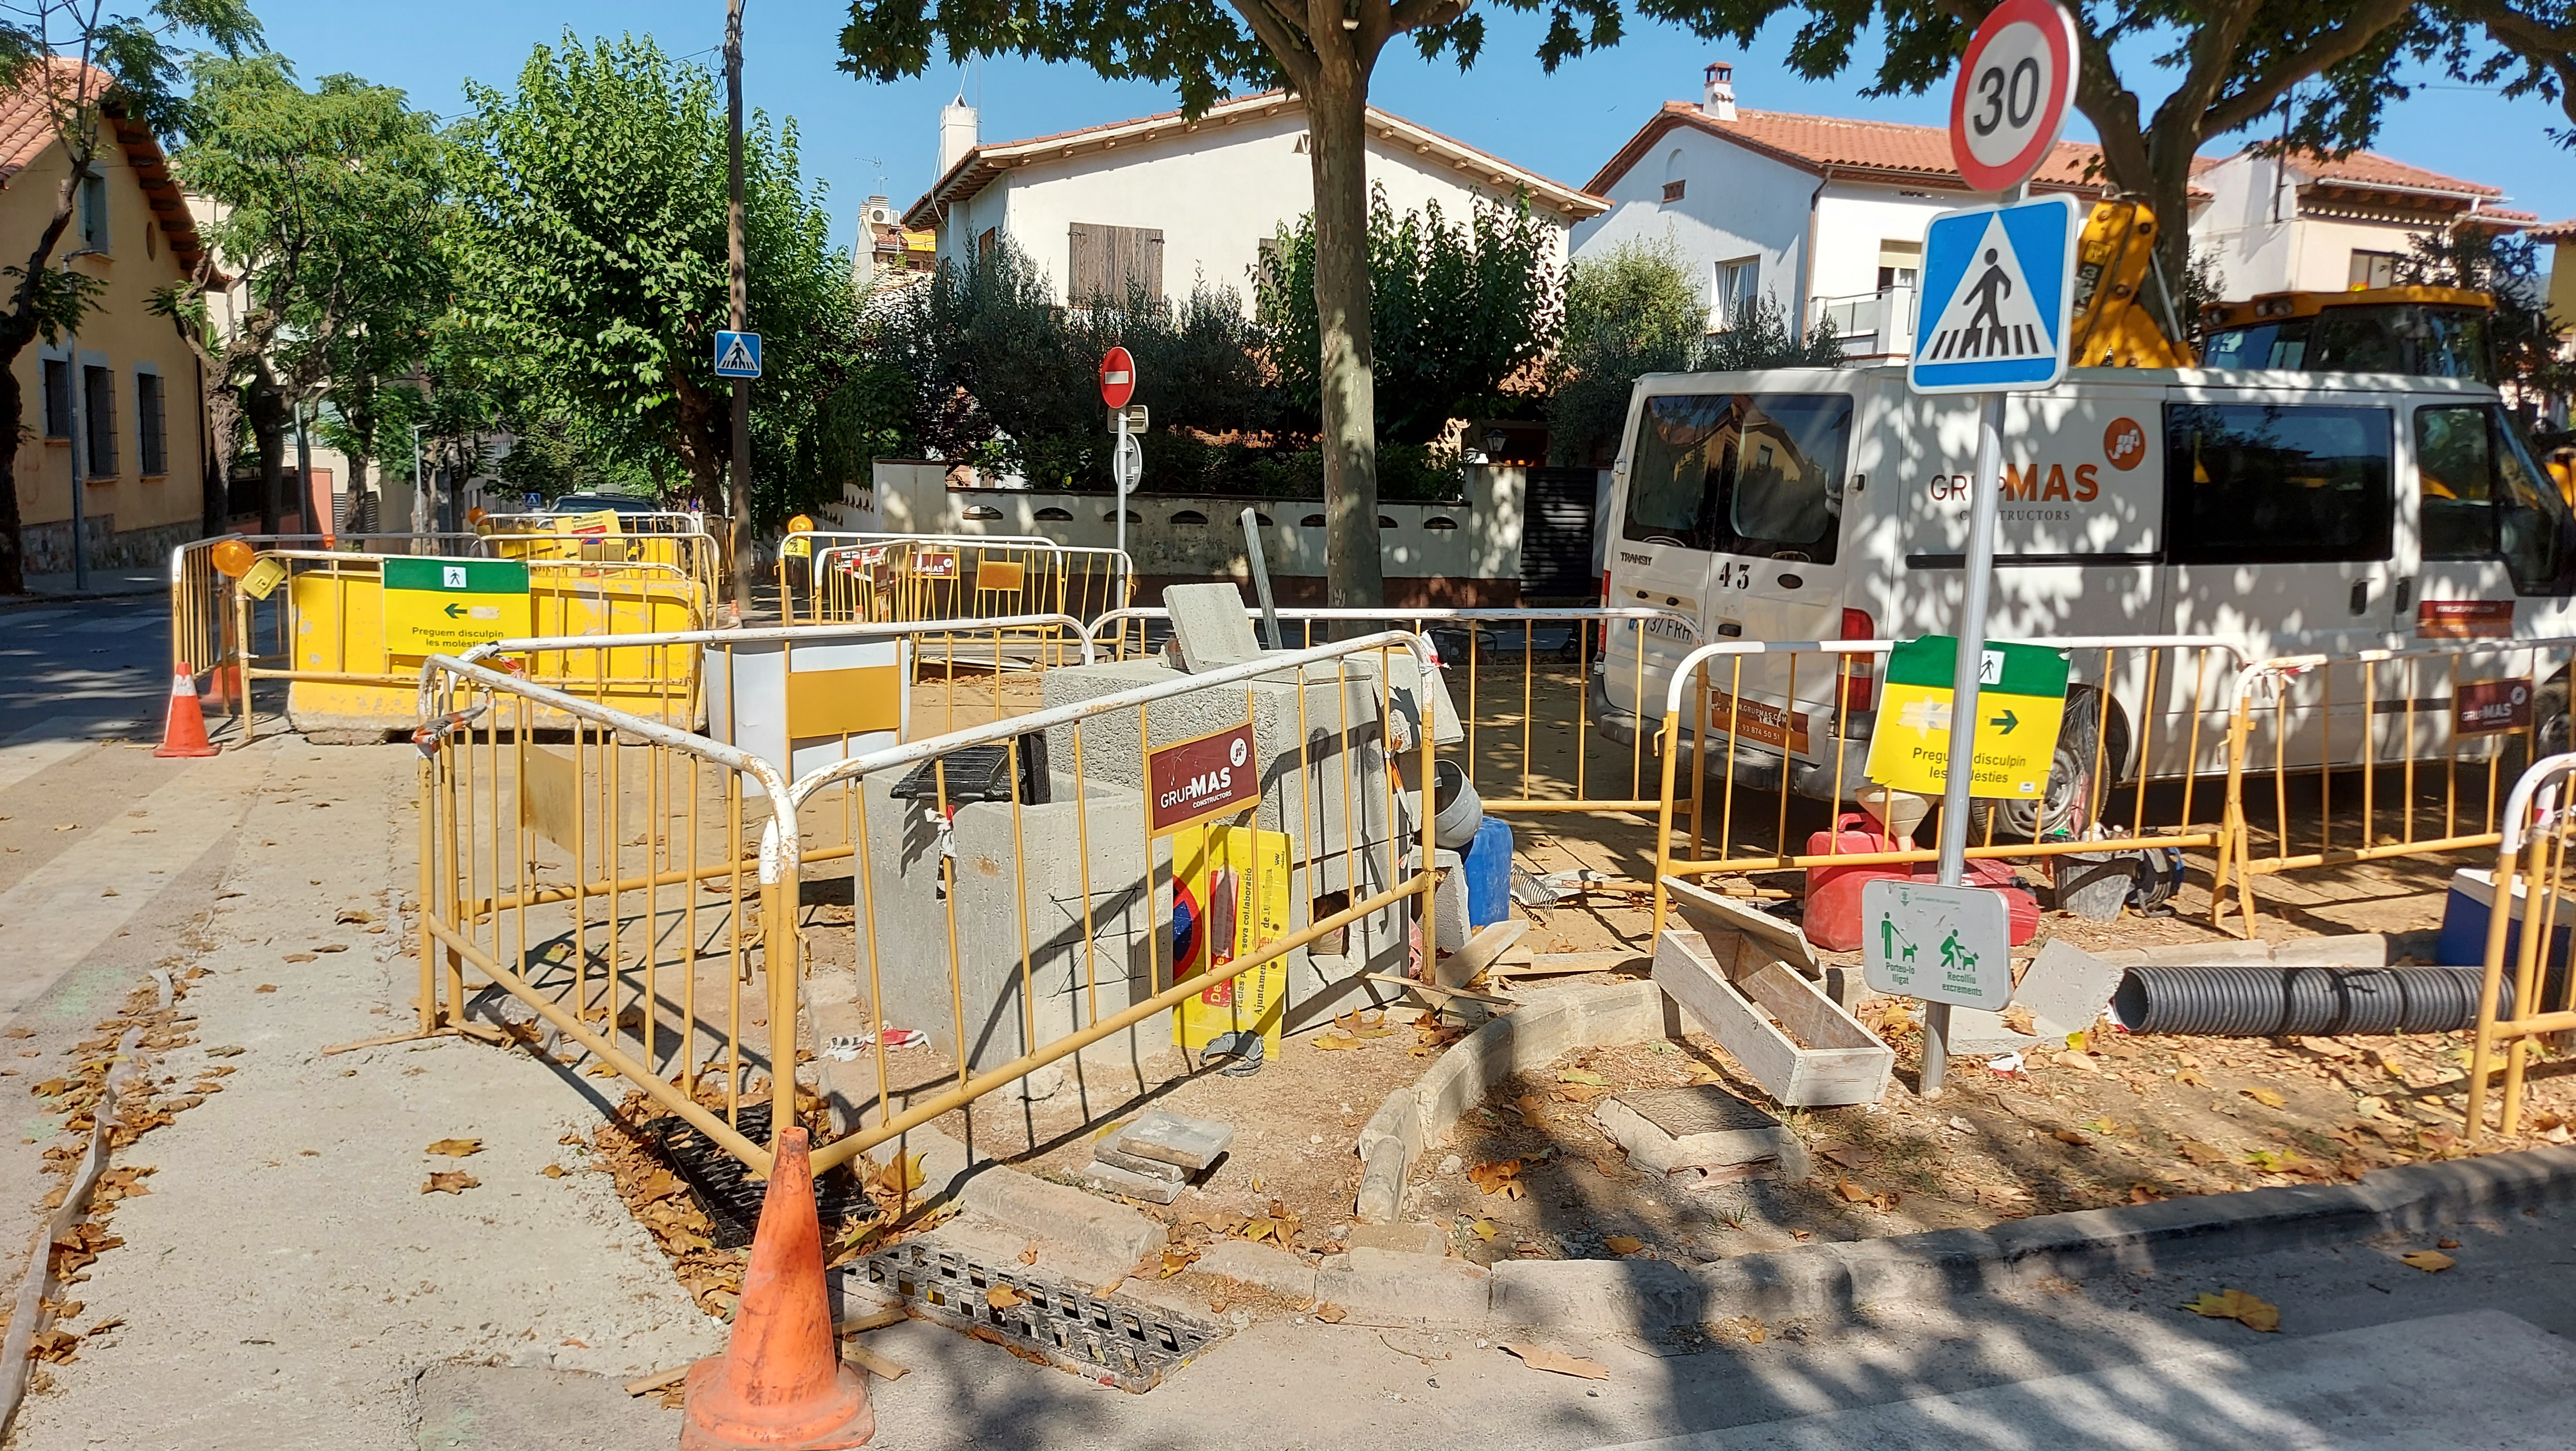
(1088, 1222)
(1627, 1296)
(1388, 1287)
(1275, 1270)
(1381, 1193)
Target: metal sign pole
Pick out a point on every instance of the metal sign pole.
(1964, 683)
(1118, 475)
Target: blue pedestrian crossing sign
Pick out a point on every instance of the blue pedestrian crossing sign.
(737, 355)
(1998, 295)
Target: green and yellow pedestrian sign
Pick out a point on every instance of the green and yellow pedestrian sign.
(2021, 701)
(442, 606)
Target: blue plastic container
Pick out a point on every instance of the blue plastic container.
(1487, 862)
(2471, 907)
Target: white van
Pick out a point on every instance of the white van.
(2285, 513)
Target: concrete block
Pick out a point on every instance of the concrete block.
(1381, 1183)
(1211, 627)
(2218, 952)
(1626, 1296)
(1700, 1127)
(1399, 1117)
(1138, 1164)
(1981, 1031)
(1042, 1210)
(1191, 1143)
(1387, 1287)
(1407, 1237)
(2066, 989)
(1152, 1188)
(2351, 949)
(1275, 1270)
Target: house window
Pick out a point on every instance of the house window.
(1733, 293)
(153, 445)
(58, 398)
(1899, 264)
(98, 410)
(1110, 263)
(2373, 269)
(93, 212)
(1673, 190)
(985, 244)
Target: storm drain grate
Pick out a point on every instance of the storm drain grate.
(724, 1187)
(1113, 1342)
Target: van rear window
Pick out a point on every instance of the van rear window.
(1739, 473)
(2253, 483)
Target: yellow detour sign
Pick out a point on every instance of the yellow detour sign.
(441, 606)
(2021, 700)
(602, 522)
(1229, 900)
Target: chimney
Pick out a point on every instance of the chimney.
(1718, 98)
(956, 133)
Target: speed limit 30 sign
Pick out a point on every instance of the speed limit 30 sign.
(2015, 87)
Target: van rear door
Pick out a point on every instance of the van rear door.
(1658, 555)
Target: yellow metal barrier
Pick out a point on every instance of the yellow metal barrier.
(676, 541)
(826, 577)
(201, 608)
(1523, 683)
(635, 888)
(2531, 882)
(1036, 886)
(2145, 719)
(328, 616)
(2379, 754)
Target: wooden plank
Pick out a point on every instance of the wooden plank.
(1849, 1065)
(1689, 975)
(1434, 990)
(1713, 913)
(1558, 964)
(1458, 968)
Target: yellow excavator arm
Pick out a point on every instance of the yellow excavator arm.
(2116, 324)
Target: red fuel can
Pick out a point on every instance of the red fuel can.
(1832, 918)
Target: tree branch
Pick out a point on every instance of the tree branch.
(2354, 35)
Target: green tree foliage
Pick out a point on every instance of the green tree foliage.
(330, 202)
(92, 62)
(590, 260)
(1457, 309)
(2523, 336)
(2324, 73)
(1628, 312)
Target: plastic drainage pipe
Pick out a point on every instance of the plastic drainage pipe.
(2265, 1002)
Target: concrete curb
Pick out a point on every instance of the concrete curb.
(1533, 1036)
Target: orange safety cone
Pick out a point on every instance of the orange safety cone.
(781, 1384)
(184, 734)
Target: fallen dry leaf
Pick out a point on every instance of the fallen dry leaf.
(1749, 1328)
(552, 1171)
(1498, 1178)
(1540, 1358)
(1623, 1244)
(456, 1182)
(456, 1148)
(1002, 1297)
(2202, 1154)
(266, 987)
(2073, 1059)
(1331, 1314)
(1359, 1024)
(1485, 1229)
(2430, 1261)
(2238, 1306)
(2189, 1079)
(1029, 1256)
(1334, 1042)
(2273, 1161)
(2143, 1194)
(1175, 1261)
(1582, 1075)
(1107, 1290)
(2268, 1097)
(2017, 1018)
(2446, 1244)
(1853, 1192)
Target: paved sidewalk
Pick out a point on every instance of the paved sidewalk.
(287, 1282)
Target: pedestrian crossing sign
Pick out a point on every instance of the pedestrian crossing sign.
(1998, 294)
(737, 355)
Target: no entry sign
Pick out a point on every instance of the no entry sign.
(2015, 86)
(1117, 378)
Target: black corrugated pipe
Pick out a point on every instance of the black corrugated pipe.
(2266, 1002)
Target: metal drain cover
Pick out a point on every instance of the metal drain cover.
(1114, 1342)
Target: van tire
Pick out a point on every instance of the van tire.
(2069, 786)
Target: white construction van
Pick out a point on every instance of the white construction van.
(2285, 513)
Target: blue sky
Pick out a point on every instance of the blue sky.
(862, 137)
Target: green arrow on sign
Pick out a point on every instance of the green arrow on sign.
(2007, 720)
(456, 612)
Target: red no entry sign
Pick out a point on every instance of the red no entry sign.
(2014, 89)
(1117, 378)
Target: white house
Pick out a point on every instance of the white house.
(1823, 215)
(2305, 223)
(1171, 200)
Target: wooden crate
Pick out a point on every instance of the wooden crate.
(1803, 1049)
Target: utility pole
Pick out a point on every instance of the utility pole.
(740, 479)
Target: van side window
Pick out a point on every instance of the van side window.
(2254, 483)
(2481, 497)
(1682, 451)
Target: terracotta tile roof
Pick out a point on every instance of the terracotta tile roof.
(1881, 150)
(977, 168)
(27, 133)
(2370, 169)
(2556, 232)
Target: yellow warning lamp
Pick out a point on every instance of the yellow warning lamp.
(233, 557)
(800, 525)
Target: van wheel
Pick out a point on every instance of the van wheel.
(2063, 805)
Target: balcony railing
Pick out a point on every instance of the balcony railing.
(1871, 324)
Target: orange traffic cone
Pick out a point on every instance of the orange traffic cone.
(185, 733)
(781, 1384)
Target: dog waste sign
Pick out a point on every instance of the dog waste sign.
(2020, 705)
(1940, 944)
(441, 606)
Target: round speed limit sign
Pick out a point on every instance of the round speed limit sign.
(2014, 88)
